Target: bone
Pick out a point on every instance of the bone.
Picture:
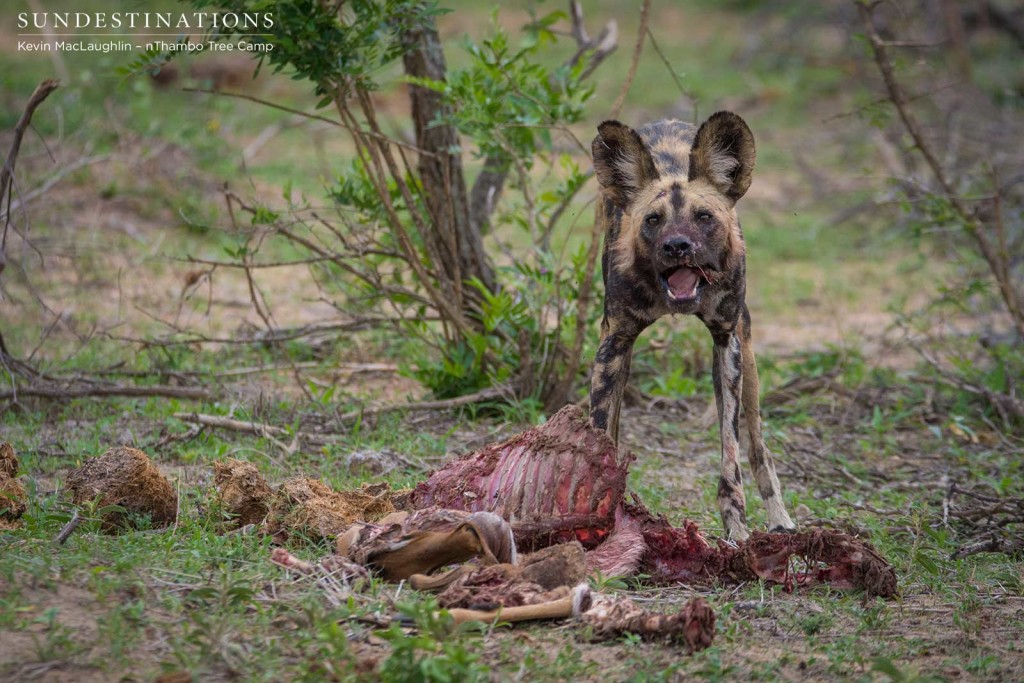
(572, 605)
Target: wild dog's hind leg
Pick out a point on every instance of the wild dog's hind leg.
(761, 461)
(726, 371)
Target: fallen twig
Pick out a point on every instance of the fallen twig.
(995, 544)
(106, 391)
(992, 521)
(68, 528)
(1009, 407)
(280, 335)
(230, 424)
(490, 394)
(273, 432)
(193, 432)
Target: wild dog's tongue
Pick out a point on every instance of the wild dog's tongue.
(682, 282)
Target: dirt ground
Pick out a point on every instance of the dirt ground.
(805, 635)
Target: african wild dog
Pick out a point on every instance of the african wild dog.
(673, 244)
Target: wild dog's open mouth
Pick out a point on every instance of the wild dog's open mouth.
(681, 283)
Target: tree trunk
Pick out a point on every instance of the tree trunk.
(486, 191)
(456, 237)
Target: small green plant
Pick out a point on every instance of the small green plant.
(213, 626)
(886, 667)
(875, 615)
(330, 655)
(601, 583)
(967, 614)
(56, 641)
(711, 666)
(673, 362)
(429, 654)
(814, 623)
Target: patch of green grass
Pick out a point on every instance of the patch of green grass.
(219, 608)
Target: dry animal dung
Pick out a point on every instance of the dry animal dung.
(124, 477)
(13, 501)
(310, 507)
(242, 490)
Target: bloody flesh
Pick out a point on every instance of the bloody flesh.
(566, 481)
(558, 482)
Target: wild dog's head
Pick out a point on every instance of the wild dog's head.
(679, 231)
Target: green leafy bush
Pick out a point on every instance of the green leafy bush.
(404, 243)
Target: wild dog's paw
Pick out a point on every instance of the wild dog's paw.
(737, 532)
(778, 518)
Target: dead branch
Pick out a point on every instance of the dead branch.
(995, 544)
(168, 438)
(641, 35)
(375, 156)
(563, 388)
(273, 337)
(349, 367)
(482, 396)
(483, 196)
(672, 72)
(974, 225)
(883, 100)
(25, 197)
(991, 522)
(328, 258)
(67, 393)
(69, 528)
(603, 45)
(272, 432)
(296, 112)
(41, 92)
(1009, 407)
(368, 277)
(556, 215)
(232, 425)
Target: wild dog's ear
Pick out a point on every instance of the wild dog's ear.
(622, 162)
(723, 154)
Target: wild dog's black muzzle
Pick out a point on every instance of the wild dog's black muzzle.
(677, 248)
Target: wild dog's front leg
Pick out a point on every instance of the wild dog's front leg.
(761, 461)
(727, 373)
(611, 373)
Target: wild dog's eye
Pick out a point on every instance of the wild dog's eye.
(703, 215)
(653, 220)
